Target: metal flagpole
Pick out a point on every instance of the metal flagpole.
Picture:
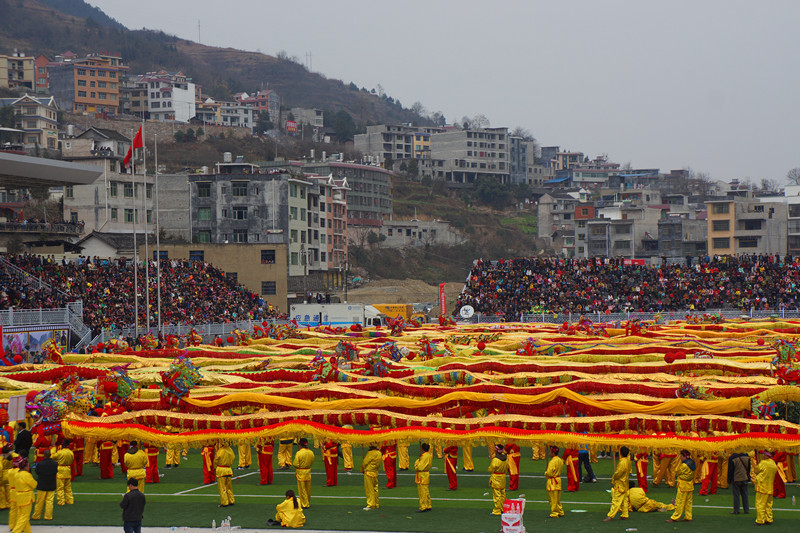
(158, 240)
(135, 248)
(146, 233)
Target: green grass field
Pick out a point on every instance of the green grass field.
(180, 500)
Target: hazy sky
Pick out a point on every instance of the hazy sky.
(708, 84)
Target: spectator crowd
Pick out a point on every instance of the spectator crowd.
(562, 285)
(192, 292)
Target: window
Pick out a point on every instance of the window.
(114, 213)
(720, 209)
(204, 236)
(721, 225)
(622, 230)
(81, 83)
(204, 213)
(269, 288)
(751, 225)
(748, 242)
(293, 235)
(585, 211)
(758, 208)
(240, 235)
(203, 190)
(148, 191)
(114, 189)
(129, 215)
(302, 214)
(293, 190)
(293, 213)
(101, 84)
(160, 254)
(82, 94)
(267, 257)
(240, 213)
(128, 190)
(73, 216)
(239, 188)
(197, 255)
(322, 257)
(294, 258)
(149, 216)
(721, 243)
(69, 192)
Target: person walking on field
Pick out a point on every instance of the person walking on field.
(738, 476)
(765, 471)
(330, 456)
(553, 475)
(513, 457)
(132, 505)
(497, 480)
(620, 498)
(264, 454)
(46, 471)
(369, 467)
(136, 464)
(24, 484)
(303, 460)
(422, 467)
(685, 480)
(209, 475)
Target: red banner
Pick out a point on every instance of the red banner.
(442, 300)
(291, 126)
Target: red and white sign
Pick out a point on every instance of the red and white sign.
(629, 262)
(291, 125)
(442, 300)
(511, 519)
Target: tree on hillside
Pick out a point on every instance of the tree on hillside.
(264, 123)
(793, 176)
(7, 117)
(342, 123)
(438, 118)
(418, 109)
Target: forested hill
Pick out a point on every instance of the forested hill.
(40, 27)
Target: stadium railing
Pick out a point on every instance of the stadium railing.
(207, 331)
(557, 318)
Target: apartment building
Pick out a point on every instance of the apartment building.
(42, 81)
(37, 118)
(747, 225)
(262, 101)
(17, 71)
(623, 231)
(556, 213)
(312, 117)
(87, 85)
(395, 142)
(680, 236)
(170, 96)
(117, 202)
(460, 157)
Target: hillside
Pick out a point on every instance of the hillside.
(35, 28)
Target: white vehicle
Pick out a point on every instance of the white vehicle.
(337, 315)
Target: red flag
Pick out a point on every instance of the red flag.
(442, 299)
(137, 143)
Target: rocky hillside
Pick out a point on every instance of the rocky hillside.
(36, 28)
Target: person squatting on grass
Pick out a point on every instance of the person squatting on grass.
(288, 513)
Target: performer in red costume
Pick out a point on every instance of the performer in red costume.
(209, 470)
(77, 447)
(451, 465)
(710, 475)
(264, 454)
(389, 455)
(330, 456)
(513, 455)
(122, 449)
(152, 475)
(641, 470)
(779, 485)
(106, 466)
(571, 462)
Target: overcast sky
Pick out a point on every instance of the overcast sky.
(711, 85)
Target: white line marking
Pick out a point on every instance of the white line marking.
(213, 484)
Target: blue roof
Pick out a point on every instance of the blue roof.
(558, 180)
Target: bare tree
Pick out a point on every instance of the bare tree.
(794, 176)
(438, 118)
(524, 133)
(419, 109)
(480, 121)
(769, 185)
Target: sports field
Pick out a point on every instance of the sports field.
(181, 500)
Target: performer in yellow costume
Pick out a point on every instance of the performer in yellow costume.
(64, 458)
(642, 504)
(422, 466)
(620, 501)
(223, 460)
(136, 462)
(553, 475)
(685, 480)
(765, 470)
(285, 453)
(369, 467)
(403, 460)
(288, 513)
(24, 484)
(497, 480)
(303, 460)
(347, 452)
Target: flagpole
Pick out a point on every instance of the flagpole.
(158, 239)
(135, 247)
(146, 233)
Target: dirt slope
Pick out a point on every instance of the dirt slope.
(393, 291)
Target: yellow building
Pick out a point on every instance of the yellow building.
(721, 225)
(422, 145)
(17, 70)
